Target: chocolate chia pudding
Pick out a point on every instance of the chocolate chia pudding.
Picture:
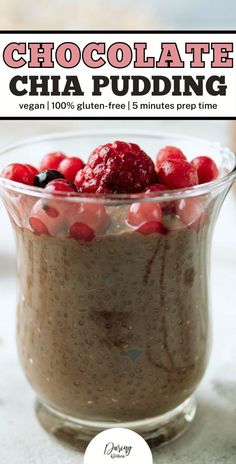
(115, 329)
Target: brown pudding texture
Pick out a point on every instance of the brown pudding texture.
(115, 329)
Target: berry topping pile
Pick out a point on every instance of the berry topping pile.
(113, 168)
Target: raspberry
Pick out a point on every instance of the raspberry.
(168, 153)
(140, 213)
(152, 227)
(206, 169)
(81, 232)
(52, 160)
(176, 174)
(60, 185)
(22, 173)
(85, 181)
(120, 167)
(70, 166)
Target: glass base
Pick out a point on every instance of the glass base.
(76, 433)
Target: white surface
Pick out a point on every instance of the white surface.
(212, 437)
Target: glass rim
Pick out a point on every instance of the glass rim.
(110, 198)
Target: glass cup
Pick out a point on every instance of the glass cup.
(113, 320)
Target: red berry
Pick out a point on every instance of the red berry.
(19, 173)
(206, 168)
(91, 214)
(120, 167)
(48, 217)
(156, 188)
(152, 227)
(191, 212)
(81, 232)
(177, 174)
(140, 213)
(32, 169)
(70, 166)
(169, 153)
(52, 160)
(38, 226)
(60, 185)
(59, 216)
(166, 206)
